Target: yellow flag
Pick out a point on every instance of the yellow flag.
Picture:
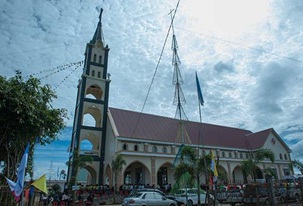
(40, 184)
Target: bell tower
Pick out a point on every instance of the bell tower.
(90, 117)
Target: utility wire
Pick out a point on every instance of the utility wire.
(245, 46)
(208, 36)
(157, 66)
(69, 45)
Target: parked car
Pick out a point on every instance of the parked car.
(179, 203)
(172, 197)
(147, 190)
(293, 194)
(191, 194)
(148, 198)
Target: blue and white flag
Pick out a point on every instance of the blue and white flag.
(200, 97)
(17, 187)
(178, 156)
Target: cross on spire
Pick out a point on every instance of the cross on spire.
(100, 16)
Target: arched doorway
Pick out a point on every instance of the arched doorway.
(137, 174)
(238, 175)
(222, 175)
(87, 176)
(165, 175)
(258, 173)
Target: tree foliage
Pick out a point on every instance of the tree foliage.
(75, 164)
(26, 115)
(190, 169)
(117, 165)
(263, 154)
(62, 174)
(297, 164)
(250, 165)
(78, 162)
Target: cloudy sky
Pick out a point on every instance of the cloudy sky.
(247, 53)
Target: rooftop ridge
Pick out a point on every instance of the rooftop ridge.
(185, 121)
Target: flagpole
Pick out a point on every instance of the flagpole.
(204, 160)
(200, 112)
(201, 102)
(22, 194)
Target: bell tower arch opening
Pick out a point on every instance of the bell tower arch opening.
(96, 91)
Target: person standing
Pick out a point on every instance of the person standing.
(66, 199)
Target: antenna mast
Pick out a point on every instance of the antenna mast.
(179, 99)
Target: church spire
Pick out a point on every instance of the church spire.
(98, 36)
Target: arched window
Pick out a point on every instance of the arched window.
(136, 147)
(99, 74)
(124, 147)
(164, 150)
(95, 58)
(285, 156)
(93, 73)
(286, 171)
(241, 155)
(230, 155)
(236, 154)
(218, 153)
(155, 149)
(223, 154)
(281, 157)
(100, 59)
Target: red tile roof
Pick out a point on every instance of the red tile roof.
(150, 127)
(258, 139)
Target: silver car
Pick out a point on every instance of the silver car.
(147, 198)
(191, 194)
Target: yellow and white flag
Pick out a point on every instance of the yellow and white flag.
(214, 166)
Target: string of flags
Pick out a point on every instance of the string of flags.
(56, 69)
(68, 76)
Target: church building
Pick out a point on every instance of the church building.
(149, 143)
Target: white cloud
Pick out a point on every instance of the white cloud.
(248, 55)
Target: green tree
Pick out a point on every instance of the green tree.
(188, 173)
(56, 189)
(296, 164)
(250, 165)
(117, 165)
(26, 115)
(78, 162)
(62, 175)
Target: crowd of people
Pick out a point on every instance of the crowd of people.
(88, 193)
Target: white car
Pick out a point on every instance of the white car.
(147, 198)
(192, 196)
